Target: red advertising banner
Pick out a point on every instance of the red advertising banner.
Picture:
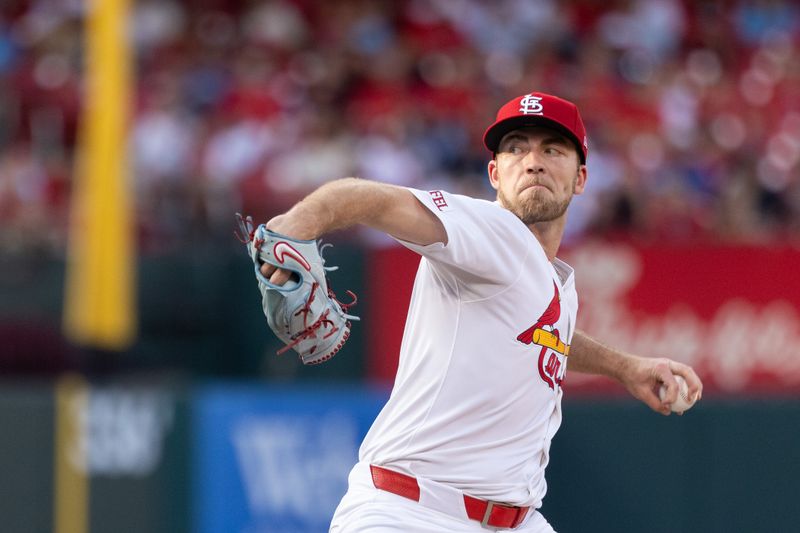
(733, 313)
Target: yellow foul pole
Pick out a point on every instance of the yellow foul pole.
(99, 309)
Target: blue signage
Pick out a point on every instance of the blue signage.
(272, 459)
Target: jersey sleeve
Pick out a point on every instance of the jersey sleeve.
(484, 240)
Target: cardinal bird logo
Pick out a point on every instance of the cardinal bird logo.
(544, 334)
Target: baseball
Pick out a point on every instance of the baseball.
(683, 402)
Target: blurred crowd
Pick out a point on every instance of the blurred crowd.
(692, 108)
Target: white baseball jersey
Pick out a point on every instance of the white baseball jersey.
(477, 396)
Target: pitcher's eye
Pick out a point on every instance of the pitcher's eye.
(550, 150)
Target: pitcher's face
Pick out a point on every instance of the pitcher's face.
(536, 172)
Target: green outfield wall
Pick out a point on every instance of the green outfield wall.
(728, 465)
(180, 458)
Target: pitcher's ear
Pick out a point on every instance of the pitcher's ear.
(494, 179)
(580, 179)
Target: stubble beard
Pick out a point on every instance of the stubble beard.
(536, 206)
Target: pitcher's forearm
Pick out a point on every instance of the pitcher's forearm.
(592, 357)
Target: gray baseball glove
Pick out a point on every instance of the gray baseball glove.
(304, 313)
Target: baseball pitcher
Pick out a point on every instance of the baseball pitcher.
(463, 441)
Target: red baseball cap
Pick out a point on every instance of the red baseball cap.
(539, 109)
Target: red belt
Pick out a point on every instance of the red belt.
(488, 513)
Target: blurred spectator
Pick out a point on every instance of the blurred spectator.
(693, 108)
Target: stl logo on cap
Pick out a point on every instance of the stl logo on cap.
(531, 105)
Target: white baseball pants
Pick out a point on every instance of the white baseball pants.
(365, 509)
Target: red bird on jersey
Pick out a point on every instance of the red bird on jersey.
(548, 318)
